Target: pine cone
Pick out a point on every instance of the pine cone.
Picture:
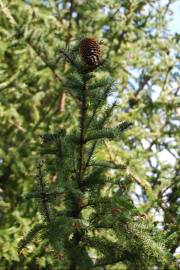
(90, 51)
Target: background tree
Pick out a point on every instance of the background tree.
(141, 55)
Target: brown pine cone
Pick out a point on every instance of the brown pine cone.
(90, 51)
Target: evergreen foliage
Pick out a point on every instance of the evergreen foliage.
(90, 211)
(129, 195)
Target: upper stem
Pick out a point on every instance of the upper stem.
(80, 170)
(82, 131)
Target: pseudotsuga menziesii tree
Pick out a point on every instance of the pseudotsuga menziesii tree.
(89, 218)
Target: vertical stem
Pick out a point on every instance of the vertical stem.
(82, 128)
(76, 211)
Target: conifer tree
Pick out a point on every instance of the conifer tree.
(89, 219)
(142, 56)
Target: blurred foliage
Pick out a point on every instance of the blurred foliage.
(141, 55)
